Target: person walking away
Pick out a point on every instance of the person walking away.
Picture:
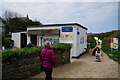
(98, 54)
(29, 45)
(94, 51)
(48, 59)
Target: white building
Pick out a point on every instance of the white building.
(72, 33)
(20, 39)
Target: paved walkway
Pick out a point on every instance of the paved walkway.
(86, 67)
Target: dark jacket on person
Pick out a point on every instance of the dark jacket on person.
(29, 45)
(93, 53)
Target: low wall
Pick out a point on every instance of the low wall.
(27, 65)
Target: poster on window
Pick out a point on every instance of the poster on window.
(82, 40)
(66, 36)
(53, 40)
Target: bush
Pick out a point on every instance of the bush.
(11, 54)
(8, 35)
(92, 42)
(7, 42)
(62, 46)
(114, 55)
(23, 63)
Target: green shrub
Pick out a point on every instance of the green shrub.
(92, 42)
(12, 54)
(7, 42)
(114, 54)
(8, 35)
(62, 46)
(23, 63)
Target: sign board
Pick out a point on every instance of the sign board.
(67, 29)
(66, 36)
(111, 45)
(114, 43)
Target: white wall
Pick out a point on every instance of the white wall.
(16, 38)
(41, 28)
(28, 39)
(82, 37)
(69, 40)
(75, 48)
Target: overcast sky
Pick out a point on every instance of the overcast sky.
(96, 16)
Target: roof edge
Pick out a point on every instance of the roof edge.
(46, 25)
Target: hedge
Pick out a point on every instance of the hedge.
(11, 55)
(92, 42)
(62, 46)
(24, 63)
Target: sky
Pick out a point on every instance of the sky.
(97, 16)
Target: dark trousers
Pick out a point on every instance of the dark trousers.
(48, 72)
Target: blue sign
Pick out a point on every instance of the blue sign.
(67, 29)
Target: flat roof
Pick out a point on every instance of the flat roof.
(49, 25)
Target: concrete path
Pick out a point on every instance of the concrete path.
(86, 67)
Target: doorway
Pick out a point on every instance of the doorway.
(34, 40)
(23, 40)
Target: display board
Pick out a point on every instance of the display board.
(53, 40)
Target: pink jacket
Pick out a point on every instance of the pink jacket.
(48, 57)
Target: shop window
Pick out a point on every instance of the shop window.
(53, 40)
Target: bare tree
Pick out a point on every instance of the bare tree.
(9, 14)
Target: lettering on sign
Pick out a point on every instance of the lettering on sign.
(67, 29)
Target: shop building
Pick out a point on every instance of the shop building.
(72, 33)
